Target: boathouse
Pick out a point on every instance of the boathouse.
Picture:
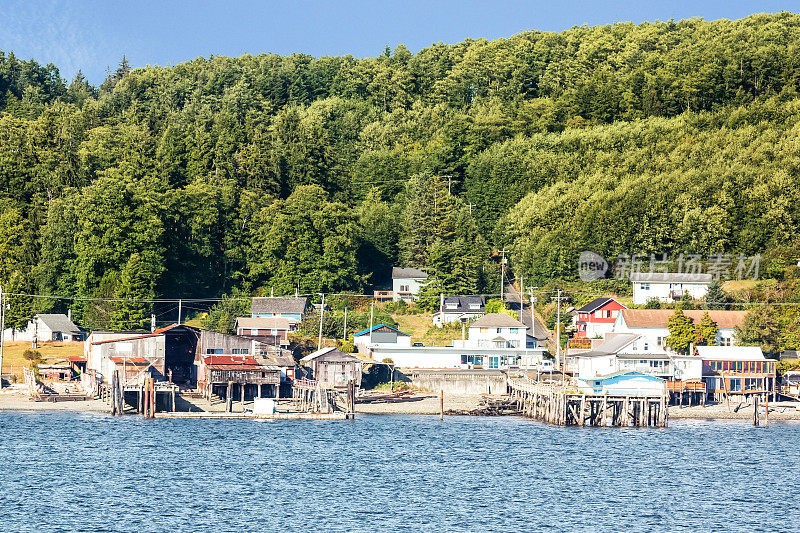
(334, 368)
(624, 383)
(238, 376)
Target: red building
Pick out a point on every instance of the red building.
(596, 318)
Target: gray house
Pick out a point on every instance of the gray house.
(291, 308)
(459, 309)
(47, 327)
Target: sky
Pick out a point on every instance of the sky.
(93, 35)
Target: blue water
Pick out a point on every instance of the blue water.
(68, 472)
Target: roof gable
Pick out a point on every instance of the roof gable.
(497, 320)
(279, 305)
(597, 303)
(408, 273)
(380, 328)
(671, 277)
(330, 354)
(59, 322)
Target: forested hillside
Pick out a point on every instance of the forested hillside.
(267, 172)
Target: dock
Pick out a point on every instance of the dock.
(337, 415)
(563, 405)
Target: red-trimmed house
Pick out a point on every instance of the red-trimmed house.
(596, 318)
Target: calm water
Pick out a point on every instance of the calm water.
(67, 472)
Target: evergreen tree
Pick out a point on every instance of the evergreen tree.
(716, 298)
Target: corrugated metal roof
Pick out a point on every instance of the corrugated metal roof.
(129, 360)
(229, 359)
(256, 368)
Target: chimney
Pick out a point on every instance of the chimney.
(69, 314)
(152, 323)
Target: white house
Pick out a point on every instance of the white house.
(47, 327)
(381, 335)
(497, 330)
(459, 357)
(459, 309)
(407, 283)
(668, 286)
(495, 341)
(651, 326)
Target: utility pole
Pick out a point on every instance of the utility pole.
(2, 332)
(559, 364)
(180, 310)
(371, 316)
(321, 316)
(533, 322)
(472, 205)
(345, 323)
(502, 269)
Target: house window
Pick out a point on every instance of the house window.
(736, 384)
(213, 351)
(645, 286)
(484, 330)
(513, 331)
(660, 341)
(239, 351)
(725, 341)
(494, 362)
(450, 306)
(614, 314)
(646, 347)
(475, 307)
(499, 330)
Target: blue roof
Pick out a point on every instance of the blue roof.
(373, 328)
(627, 373)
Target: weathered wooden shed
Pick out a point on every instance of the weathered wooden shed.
(334, 368)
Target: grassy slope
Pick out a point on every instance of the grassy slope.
(53, 352)
(421, 329)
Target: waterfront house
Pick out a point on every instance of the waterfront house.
(458, 356)
(736, 371)
(380, 335)
(668, 286)
(596, 319)
(651, 326)
(497, 330)
(455, 309)
(624, 383)
(271, 330)
(407, 283)
(47, 327)
(291, 308)
(334, 368)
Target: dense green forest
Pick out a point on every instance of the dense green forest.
(282, 173)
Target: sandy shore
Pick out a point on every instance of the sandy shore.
(421, 404)
(14, 398)
(777, 411)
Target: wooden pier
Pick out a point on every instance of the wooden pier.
(563, 405)
(311, 396)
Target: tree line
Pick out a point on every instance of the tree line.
(268, 172)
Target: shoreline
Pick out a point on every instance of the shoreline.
(420, 404)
